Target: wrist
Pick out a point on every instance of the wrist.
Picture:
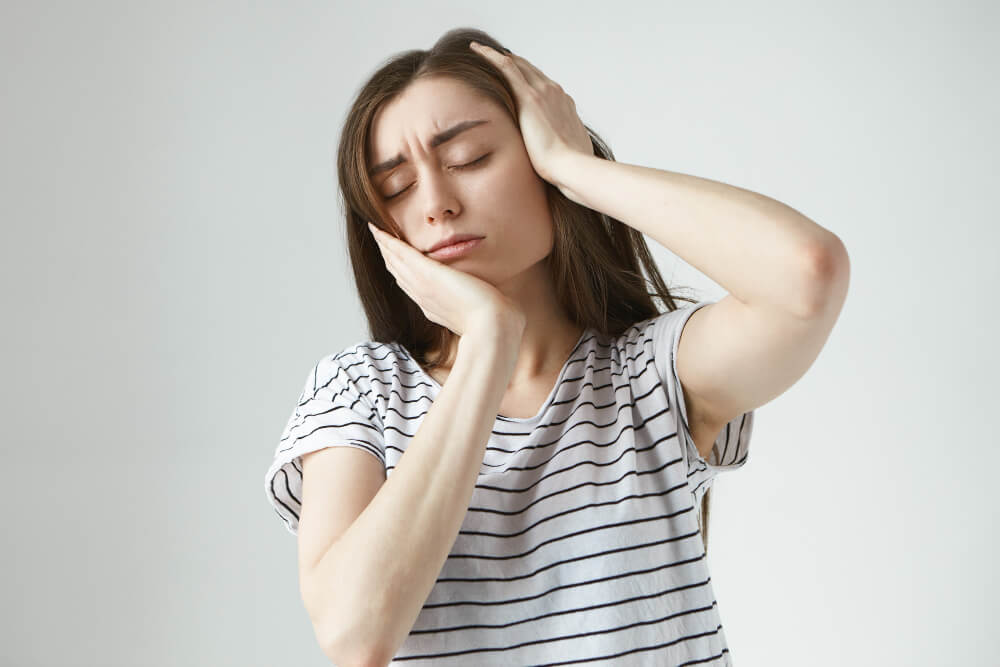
(565, 166)
(502, 329)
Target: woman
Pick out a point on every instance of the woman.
(510, 471)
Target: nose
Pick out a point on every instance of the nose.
(439, 199)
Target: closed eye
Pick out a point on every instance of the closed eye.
(467, 165)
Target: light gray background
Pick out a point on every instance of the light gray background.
(173, 264)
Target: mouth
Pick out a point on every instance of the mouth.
(452, 240)
(456, 249)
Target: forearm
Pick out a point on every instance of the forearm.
(760, 250)
(380, 571)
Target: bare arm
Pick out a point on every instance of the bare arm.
(375, 578)
(787, 279)
(762, 251)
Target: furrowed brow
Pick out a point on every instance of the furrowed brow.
(436, 140)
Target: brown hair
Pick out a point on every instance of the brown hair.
(595, 262)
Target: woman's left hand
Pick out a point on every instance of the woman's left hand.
(550, 126)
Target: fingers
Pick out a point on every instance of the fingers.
(395, 258)
(385, 240)
(530, 70)
(407, 276)
(385, 248)
(506, 63)
(397, 244)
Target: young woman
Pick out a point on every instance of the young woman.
(514, 469)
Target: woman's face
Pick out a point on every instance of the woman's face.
(431, 196)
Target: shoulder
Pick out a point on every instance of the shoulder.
(659, 335)
(367, 365)
(366, 354)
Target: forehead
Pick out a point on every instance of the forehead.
(426, 107)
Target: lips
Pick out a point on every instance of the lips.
(453, 239)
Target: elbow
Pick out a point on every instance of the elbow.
(342, 657)
(343, 653)
(828, 271)
(342, 641)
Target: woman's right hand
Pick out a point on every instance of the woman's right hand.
(447, 296)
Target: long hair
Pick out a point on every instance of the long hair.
(596, 262)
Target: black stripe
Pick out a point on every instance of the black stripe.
(573, 636)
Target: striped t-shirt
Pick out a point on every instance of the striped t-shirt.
(582, 542)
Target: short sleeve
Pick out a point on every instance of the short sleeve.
(731, 449)
(331, 412)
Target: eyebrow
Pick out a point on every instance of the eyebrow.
(436, 140)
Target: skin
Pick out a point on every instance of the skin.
(736, 354)
(501, 198)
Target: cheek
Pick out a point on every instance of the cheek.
(518, 201)
(513, 184)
